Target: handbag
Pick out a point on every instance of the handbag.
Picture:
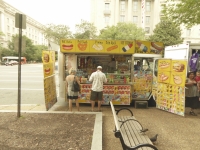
(75, 86)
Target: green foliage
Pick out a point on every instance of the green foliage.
(38, 52)
(167, 32)
(32, 52)
(85, 30)
(185, 11)
(123, 31)
(57, 32)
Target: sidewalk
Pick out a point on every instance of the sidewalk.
(24, 107)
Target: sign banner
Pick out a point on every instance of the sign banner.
(170, 90)
(48, 59)
(110, 46)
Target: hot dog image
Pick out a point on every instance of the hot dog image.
(163, 77)
(164, 64)
(177, 79)
(47, 71)
(112, 48)
(67, 47)
(156, 46)
(98, 47)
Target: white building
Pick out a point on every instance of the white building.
(110, 12)
(34, 29)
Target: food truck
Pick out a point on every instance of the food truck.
(127, 64)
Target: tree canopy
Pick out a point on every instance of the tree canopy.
(183, 11)
(85, 30)
(167, 32)
(57, 32)
(122, 31)
(32, 52)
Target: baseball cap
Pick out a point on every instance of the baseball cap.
(99, 67)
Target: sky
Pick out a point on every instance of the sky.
(65, 12)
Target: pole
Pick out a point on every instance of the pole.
(19, 66)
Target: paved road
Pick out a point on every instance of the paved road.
(31, 85)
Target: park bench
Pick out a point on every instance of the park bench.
(128, 130)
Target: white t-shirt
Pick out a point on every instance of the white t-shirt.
(97, 78)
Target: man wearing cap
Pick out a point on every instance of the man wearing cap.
(97, 78)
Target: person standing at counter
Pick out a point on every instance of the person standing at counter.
(71, 94)
(97, 78)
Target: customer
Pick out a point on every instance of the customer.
(191, 92)
(97, 78)
(70, 94)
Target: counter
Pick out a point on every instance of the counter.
(118, 93)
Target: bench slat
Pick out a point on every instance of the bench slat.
(133, 132)
(144, 138)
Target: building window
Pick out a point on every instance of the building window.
(188, 32)
(148, 6)
(122, 18)
(7, 20)
(135, 19)
(147, 30)
(135, 5)
(122, 5)
(147, 20)
(13, 30)
(8, 28)
(107, 6)
(107, 19)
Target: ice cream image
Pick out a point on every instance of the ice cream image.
(127, 47)
(142, 46)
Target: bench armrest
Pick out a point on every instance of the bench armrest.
(118, 110)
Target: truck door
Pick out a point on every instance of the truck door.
(142, 78)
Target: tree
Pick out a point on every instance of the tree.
(57, 32)
(38, 52)
(167, 32)
(183, 11)
(122, 31)
(32, 52)
(85, 30)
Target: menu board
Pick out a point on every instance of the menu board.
(48, 58)
(170, 89)
(142, 84)
(119, 94)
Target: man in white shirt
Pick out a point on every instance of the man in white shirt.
(97, 78)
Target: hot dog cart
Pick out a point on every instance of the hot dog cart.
(119, 59)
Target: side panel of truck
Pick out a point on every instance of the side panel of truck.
(177, 51)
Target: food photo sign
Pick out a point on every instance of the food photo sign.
(48, 59)
(170, 93)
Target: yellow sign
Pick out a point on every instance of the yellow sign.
(97, 46)
(67, 45)
(163, 76)
(48, 64)
(112, 46)
(156, 48)
(164, 65)
(142, 47)
(177, 79)
(50, 91)
(82, 46)
(179, 66)
(127, 47)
